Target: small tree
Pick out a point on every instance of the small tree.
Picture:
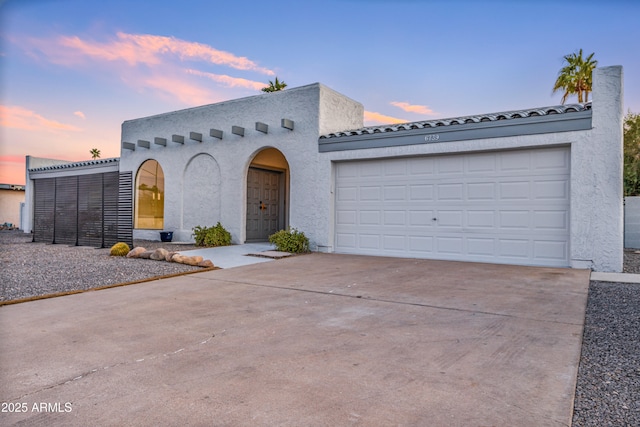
(575, 78)
(274, 86)
(632, 154)
(95, 153)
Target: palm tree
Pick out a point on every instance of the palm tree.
(575, 78)
(95, 153)
(274, 86)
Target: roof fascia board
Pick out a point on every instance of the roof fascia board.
(73, 171)
(566, 122)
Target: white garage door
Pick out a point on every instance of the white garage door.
(504, 207)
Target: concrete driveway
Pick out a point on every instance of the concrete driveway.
(313, 340)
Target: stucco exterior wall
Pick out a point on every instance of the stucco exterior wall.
(10, 201)
(596, 172)
(190, 196)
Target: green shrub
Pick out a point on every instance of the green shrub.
(211, 236)
(290, 240)
(119, 249)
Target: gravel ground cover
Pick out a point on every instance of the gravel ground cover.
(608, 386)
(33, 269)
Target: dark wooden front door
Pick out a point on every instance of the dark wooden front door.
(263, 204)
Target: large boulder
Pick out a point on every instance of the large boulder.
(159, 254)
(206, 263)
(135, 252)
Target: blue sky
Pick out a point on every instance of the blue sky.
(71, 71)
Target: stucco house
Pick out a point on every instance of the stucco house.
(11, 201)
(539, 186)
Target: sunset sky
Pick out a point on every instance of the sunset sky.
(71, 71)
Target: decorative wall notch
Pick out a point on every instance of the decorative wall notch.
(144, 144)
(177, 138)
(129, 146)
(287, 124)
(215, 133)
(195, 136)
(237, 130)
(160, 141)
(262, 127)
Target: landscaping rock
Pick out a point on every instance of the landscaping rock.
(146, 254)
(135, 252)
(193, 260)
(178, 258)
(159, 254)
(205, 263)
(169, 255)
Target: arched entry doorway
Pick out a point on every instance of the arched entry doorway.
(267, 195)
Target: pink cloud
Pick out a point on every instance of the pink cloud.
(135, 49)
(419, 109)
(184, 91)
(21, 118)
(79, 114)
(228, 80)
(376, 118)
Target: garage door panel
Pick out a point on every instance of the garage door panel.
(551, 220)
(450, 165)
(370, 193)
(481, 218)
(344, 194)
(550, 250)
(369, 241)
(370, 218)
(514, 248)
(481, 191)
(395, 242)
(481, 163)
(421, 192)
(509, 207)
(395, 192)
(420, 244)
(450, 192)
(551, 160)
(557, 189)
(449, 245)
(421, 218)
(515, 190)
(481, 246)
(515, 219)
(515, 161)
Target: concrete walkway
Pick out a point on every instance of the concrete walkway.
(233, 255)
(615, 277)
(312, 340)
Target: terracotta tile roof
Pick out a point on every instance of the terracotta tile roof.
(508, 115)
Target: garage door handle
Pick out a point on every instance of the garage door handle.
(434, 219)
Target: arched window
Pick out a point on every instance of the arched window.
(149, 209)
